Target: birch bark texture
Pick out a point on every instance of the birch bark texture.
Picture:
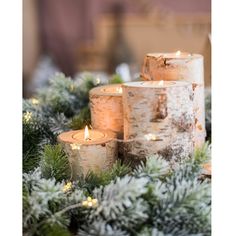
(85, 156)
(158, 120)
(184, 67)
(107, 108)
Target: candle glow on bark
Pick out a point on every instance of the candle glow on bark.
(178, 53)
(119, 90)
(151, 137)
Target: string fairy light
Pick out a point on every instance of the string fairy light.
(75, 146)
(90, 202)
(67, 187)
(27, 116)
(35, 101)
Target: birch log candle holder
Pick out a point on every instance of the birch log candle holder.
(158, 119)
(94, 150)
(181, 66)
(107, 108)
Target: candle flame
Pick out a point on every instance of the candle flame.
(119, 90)
(178, 53)
(161, 83)
(86, 133)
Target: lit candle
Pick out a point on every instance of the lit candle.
(158, 119)
(89, 150)
(181, 66)
(106, 108)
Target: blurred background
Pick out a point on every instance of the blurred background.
(108, 37)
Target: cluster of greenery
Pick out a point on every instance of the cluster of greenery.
(152, 199)
(61, 106)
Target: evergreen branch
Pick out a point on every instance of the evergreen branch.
(54, 163)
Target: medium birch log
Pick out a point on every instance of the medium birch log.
(107, 108)
(158, 120)
(85, 156)
(182, 66)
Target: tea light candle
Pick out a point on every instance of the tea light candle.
(181, 66)
(107, 108)
(89, 150)
(158, 119)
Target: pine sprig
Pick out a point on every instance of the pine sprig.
(101, 228)
(118, 196)
(79, 121)
(144, 201)
(95, 180)
(54, 163)
(154, 168)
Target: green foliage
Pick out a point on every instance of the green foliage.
(46, 208)
(116, 79)
(184, 209)
(52, 113)
(203, 154)
(121, 204)
(101, 228)
(54, 163)
(153, 199)
(31, 159)
(40, 197)
(154, 168)
(62, 96)
(33, 135)
(79, 121)
(54, 230)
(92, 180)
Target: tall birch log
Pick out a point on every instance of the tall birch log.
(158, 120)
(186, 67)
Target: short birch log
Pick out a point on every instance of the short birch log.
(85, 156)
(187, 67)
(158, 120)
